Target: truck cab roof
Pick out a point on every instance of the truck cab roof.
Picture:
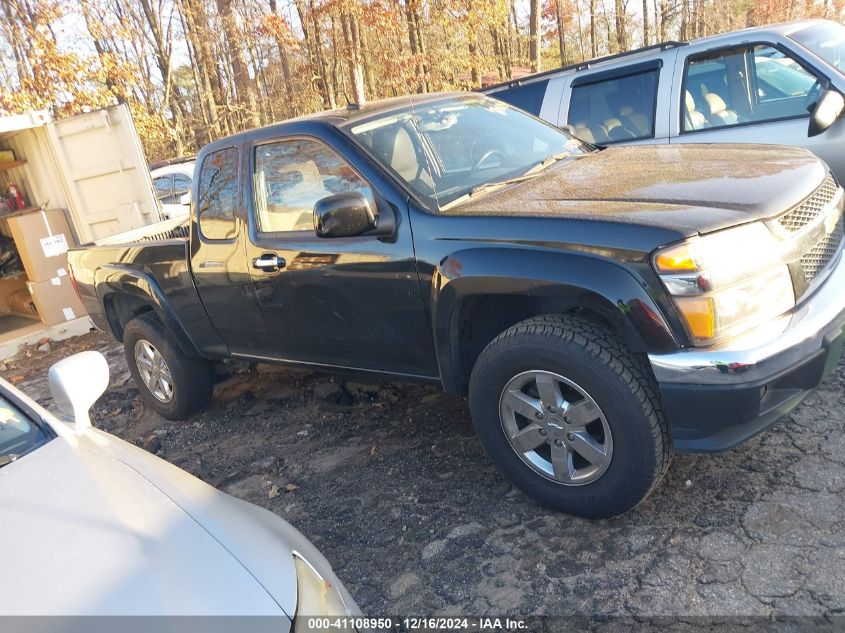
(335, 118)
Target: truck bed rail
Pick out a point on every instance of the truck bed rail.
(177, 228)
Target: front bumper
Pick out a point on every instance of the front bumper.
(716, 398)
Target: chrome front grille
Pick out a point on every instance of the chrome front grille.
(809, 210)
(820, 255)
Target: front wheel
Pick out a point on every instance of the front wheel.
(170, 382)
(570, 415)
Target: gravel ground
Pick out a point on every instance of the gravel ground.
(389, 482)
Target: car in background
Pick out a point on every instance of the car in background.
(95, 526)
(172, 180)
(780, 84)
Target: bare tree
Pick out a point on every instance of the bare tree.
(561, 31)
(534, 52)
(621, 26)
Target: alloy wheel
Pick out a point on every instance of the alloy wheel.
(154, 370)
(556, 427)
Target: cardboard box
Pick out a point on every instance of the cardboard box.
(56, 300)
(42, 239)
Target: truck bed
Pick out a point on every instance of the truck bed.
(175, 229)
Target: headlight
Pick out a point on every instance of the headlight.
(315, 596)
(726, 283)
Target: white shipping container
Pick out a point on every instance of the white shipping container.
(91, 164)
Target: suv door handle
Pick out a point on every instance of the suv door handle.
(269, 263)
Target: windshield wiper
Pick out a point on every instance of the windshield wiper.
(8, 459)
(533, 171)
(498, 184)
(547, 162)
(485, 187)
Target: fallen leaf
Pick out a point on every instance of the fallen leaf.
(290, 487)
(17, 378)
(274, 491)
(372, 451)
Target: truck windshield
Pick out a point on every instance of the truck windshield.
(451, 149)
(827, 40)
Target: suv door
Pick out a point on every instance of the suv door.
(753, 93)
(348, 302)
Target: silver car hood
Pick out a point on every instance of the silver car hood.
(263, 543)
(86, 534)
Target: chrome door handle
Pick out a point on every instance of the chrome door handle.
(269, 263)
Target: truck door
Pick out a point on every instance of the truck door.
(346, 302)
(218, 262)
(103, 166)
(751, 93)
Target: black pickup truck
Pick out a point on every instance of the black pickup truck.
(599, 308)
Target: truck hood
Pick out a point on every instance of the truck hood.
(686, 188)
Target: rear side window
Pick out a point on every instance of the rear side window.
(528, 97)
(218, 194)
(616, 109)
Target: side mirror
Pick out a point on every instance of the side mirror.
(346, 214)
(77, 382)
(185, 199)
(828, 108)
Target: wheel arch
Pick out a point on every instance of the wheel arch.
(127, 293)
(498, 288)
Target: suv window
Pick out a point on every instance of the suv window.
(615, 109)
(746, 85)
(218, 194)
(528, 97)
(291, 176)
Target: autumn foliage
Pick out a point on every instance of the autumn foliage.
(196, 70)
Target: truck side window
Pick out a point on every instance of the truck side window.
(742, 86)
(614, 110)
(291, 176)
(218, 194)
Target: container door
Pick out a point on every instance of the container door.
(105, 172)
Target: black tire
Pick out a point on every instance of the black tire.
(619, 382)
(191, 377)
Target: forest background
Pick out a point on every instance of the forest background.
(196, 70)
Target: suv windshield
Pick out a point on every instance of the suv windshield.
(450, 149)
(827, 40)
(19, 434)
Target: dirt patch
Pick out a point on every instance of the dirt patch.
(389, 481)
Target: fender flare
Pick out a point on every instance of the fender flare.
(114, 279)
(561, 281)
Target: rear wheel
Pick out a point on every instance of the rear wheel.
(570, 415)
(170, 382)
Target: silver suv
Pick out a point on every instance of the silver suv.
(780, 84)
